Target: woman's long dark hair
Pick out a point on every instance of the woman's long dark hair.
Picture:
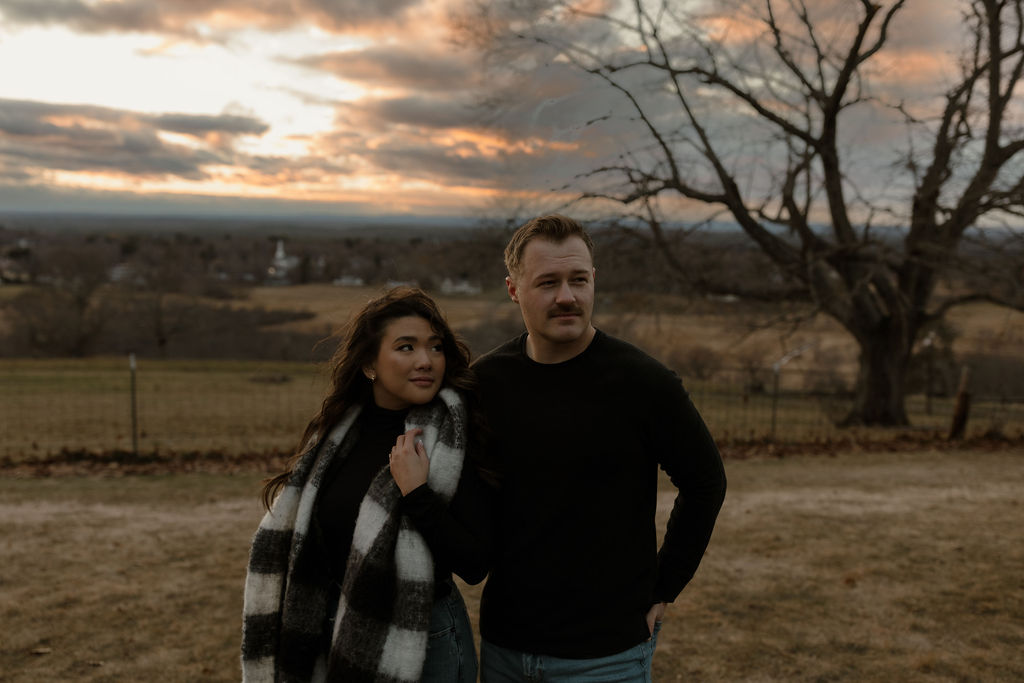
(358, 348)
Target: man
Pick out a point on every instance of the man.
(580, 423)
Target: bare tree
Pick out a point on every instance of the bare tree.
(757, 109)
(165, 288)
(64, 314)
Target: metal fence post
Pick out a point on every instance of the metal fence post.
(776, 368)
(775, 396)
(135, 421)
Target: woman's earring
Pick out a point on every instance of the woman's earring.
(373, 377)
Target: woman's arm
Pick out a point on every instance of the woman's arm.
(460, 534)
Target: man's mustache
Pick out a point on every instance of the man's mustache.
(562, 310)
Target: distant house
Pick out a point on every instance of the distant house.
(14, 263)
(126, 273)
(12, 272)
(463, 286)
(281, 267)
(349, 281)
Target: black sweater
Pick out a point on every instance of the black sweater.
(458, 534)
(578, 445)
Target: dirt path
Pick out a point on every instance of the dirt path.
(860, 566)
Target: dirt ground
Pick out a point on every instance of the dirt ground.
(855, 566)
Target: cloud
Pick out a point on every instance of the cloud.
(201, 21)
(463, 165)
(43, 136)
(123, 16)
(421, 111)
(555, 102)
(346, 14)
(201, 124)
(398, 67)
(30, 198)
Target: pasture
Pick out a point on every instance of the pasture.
(261, 406)
(243, 408)
(868, 566)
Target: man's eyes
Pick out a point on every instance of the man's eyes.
(581, 280)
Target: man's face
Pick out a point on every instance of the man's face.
(555, 291)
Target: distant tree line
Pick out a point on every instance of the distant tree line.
(78, 293)
(84, 292)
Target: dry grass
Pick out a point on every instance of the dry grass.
(47, 405)
(663, 324)
(333, 305)
(857, 567)
(877, 567)
(241, 408)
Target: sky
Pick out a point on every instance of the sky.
(320, 107)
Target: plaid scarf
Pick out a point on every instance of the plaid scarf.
(381, 619)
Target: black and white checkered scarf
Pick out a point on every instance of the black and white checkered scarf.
(381, 620)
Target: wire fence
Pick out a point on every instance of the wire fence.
(239, 408)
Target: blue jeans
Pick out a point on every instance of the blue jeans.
(451, 656)
(501, 665)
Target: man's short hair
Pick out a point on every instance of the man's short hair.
(552, 227)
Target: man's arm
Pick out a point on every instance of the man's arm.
(691, 459)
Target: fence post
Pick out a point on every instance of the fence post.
(775, 396)
(929, 359)
(776, 368)
(135, 421)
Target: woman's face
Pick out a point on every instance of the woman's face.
(409, 366)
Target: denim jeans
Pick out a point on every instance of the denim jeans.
(451, 656)
(501, 665)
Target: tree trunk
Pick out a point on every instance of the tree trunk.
(878, 397)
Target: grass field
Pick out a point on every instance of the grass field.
(250, 407)
(662, 322)
(243, 407)
(240, 407)
(830, 567)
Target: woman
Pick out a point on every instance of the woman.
(350, 571)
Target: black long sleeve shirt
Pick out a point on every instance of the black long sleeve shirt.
(578, 445)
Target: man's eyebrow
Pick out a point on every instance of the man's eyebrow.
(574, 271)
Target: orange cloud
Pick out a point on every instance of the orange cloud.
(913, 67)
(735, 29)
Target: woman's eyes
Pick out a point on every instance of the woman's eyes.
(409, 347)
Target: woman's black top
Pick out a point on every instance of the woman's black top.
(458, 534)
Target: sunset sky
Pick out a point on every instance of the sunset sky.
(301, 106)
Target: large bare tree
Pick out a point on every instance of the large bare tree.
(764, 110)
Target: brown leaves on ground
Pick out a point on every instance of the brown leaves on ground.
(114, 463)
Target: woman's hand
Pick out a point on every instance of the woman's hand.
(409, 463)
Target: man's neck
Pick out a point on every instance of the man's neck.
(547, 353)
